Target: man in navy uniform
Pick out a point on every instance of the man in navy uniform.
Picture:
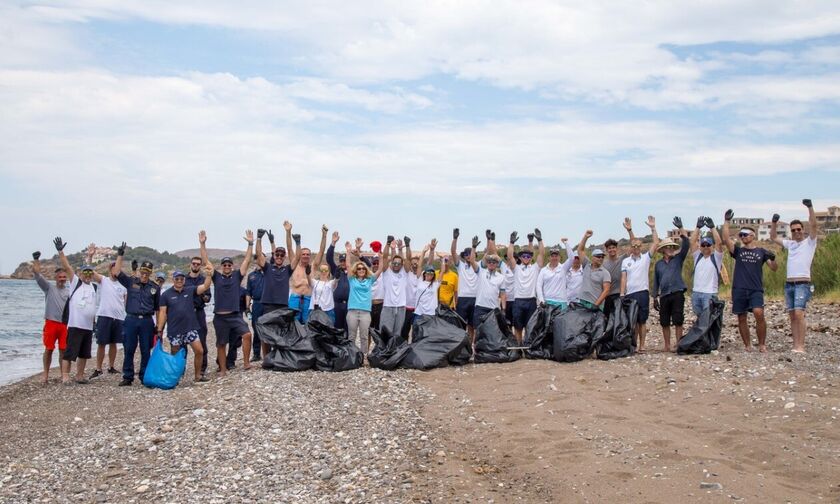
(253, 299)
(341, 293)
(142, 303)
(276, 275)
(194, 278)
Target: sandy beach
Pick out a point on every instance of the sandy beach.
(730, 426)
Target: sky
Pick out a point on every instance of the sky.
(146, 121)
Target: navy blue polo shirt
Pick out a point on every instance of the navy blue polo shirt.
(341, 293)
(143, 298)
(276, 284)
(180, 310)
(748, 268)
(203, 299)
(255, 285)
(227, 291)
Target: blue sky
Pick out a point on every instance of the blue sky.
(148, 121)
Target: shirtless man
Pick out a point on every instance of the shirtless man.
(301, 261)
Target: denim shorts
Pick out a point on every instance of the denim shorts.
(700, 301)
(797, 295)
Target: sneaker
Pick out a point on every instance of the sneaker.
(256, 358)
(203, 379)
(126, 383)
(112, 371)
(96, 374)
(83, 381)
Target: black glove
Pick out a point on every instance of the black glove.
(488, 234)
(728, 215)
(807, 203)
(538, 234)
(260, 233)
(775, 217)
(389, 240)
(59, 244)
(493, 236)
(456, 233)
(710, 223)
(678, 223)
(514, 237)
(475, 243)
(134, 265)
(530, 237)
(407, 241)
(656, 303)
(701, 221)
(270, 236)
(296, 238)
(771, 256)
(36, 255)
(121, 249)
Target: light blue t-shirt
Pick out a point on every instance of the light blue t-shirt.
(361, 294)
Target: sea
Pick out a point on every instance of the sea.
(21, 326)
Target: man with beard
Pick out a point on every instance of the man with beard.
(194, 278)
(253, 303)
(595, 284)
(669, 287)
(55, 329)
(109, 316)
(301, 288)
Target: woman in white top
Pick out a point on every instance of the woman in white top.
(322, 291)
(426, 291)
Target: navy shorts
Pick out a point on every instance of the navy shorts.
(478, 313)
(746, 300)
(643, 301)
(229, 327)
(522, 311)
(672, 309)
(108, 331)
(466, 309)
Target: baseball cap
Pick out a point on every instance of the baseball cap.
(466, 252)
(178, 273)
(342, 257)
(598, 252)
(147, 265)
(87, 267)
(428, 269)
(160, 274)
(226, 260)
(554, 251)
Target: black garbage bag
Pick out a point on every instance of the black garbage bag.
(319, 315)
(493, 338)
(573, 332)
(617, 340)
(436, 342)
(388, 350)
(333, 350)
(291, 345)
(704, 335)
(538, 332)
(451, 316)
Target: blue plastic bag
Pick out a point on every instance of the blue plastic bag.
(165, 370)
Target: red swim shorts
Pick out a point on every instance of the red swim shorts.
(55, 331)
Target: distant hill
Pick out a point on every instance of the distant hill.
(213, 253)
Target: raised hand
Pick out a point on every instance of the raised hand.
(324, 229)
(348, 247)
(588, 233)
(538, 234)
(36, 255)
(270, 236)
(488, 234)
(249, 236)
(530, 237)
(134, 265)
(121, 249)
(701, 221)
(433, 243)
(335, 238)
(59, 243)
(359, 243)
(287, 225)
(260, 233)
(208, 268)
(456, 233)
(563, 240)
(651, 221)
(678, 223)
(389, 240)
(493, 235)
(728, 215)
(475, 242)
(710, 223)
(807, 203)
(775, 218)
(628, 225)
(514, 237)
(407, 241)
(399, 243)
(296, 238)
(202, 236)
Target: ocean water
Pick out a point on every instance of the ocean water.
(21, 326)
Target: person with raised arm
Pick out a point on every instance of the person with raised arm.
(669, 287)
(612, 263)
(177, 309)
(524, 280)
(748, 281)
(467, 283)
(708, 260)
(595, 282)
(110, 315)
(227, 319)
(360, 300)
(341, 292)
(798, 286)
(490, 293)
(426, 292)
(395, 282)
(301, 289)
(635, 278)
(55, 299)
(551, 282)
(194, 279)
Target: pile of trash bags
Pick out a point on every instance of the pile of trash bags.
(704, 335)
(437, 341)
(493, 339)
(572, 334)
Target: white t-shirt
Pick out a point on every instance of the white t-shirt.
(426, 300)
(82, 305)
(705, 273)
(551, 283)
(112, 297)
(411, 290)
(322, 295)
(525, 280)
(395, 286)
(378, 288)
(800, 256)
(638, 273)
(467, 280)
(509, 282)
(489, 288)
(574, 279)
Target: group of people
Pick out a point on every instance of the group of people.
(390, 289)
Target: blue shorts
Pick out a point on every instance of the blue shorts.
(182, 340)
(229, 328)
(466, 309)
(746, 300)
(797, 295)
(522, 311)
(301, 305)
(643, 301)
(108, 331)
(700, 301)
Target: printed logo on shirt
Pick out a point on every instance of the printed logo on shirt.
(152, 290)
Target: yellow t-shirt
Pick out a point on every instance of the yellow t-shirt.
(448, 287)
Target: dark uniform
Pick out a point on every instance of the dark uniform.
(254, 289)
(341, 293)
(142, 303)
(201, 317)
(236, 339)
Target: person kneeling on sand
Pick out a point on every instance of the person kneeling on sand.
(177, 308)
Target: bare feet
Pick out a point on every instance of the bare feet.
(762, 348)
(798, 350)
(246, 366)
(748, 348)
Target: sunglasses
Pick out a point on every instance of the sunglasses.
(636, 245)
(743, 235)
(797, 230)
(396, 263)
(227, 265)
(195, 264)
(492, 261)
(525, 256)
(87, 272)
(279, 254)
(706, 245)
